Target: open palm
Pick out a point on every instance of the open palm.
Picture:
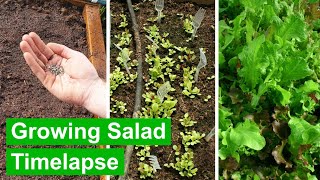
(75, 84)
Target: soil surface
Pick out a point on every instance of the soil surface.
(21, 93)
(200, 111)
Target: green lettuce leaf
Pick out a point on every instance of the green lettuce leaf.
(251, 60)
(302, 133)
(248, 134)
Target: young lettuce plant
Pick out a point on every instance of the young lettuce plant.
(116, 78)
(207, 98)
(191, 138)
(155, 109)
(124, 22)
(187, 83)
(155, 72)
(187, 24)
(187, 54)
(146, 171)
(160, 67)
(211, 77)
(143, 153)
(153, 32)
(184, 164)
(187, 121)
(124, 57)
(131, 77)
(165, 43)
(118, 107)
(124, 38)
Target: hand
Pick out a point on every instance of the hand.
(77, 84)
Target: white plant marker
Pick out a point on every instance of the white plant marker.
(154, 162)
(163, 90)
(125, 58)
(197, 21)
(159, 7)
(202, 63)
(210, 135)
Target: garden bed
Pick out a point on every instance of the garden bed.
(198, 109)
(21, 93)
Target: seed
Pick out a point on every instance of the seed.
(55, 69)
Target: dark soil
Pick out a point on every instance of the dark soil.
(200, 111)
(21, 93)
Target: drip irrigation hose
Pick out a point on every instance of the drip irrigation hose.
(139, 85)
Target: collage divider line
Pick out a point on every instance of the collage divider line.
(108, 39)
(216, 87)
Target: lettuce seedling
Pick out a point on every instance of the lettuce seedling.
(155, 109)
(172, 52)
(187, 121)
(116, 78)
(143, 153)
(124, 38)
(124, 57)
(187, 83)
(172, 77)
(153, 32)
(165, 34)
(210, 77)
(187, 24)
(131, 77)
(191, 138)
(145, 170)
(118, 107)
(207, 98)
(184, 164)
(166, 44)
(124, 22)
(187, 55)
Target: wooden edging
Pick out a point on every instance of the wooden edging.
(95, 38)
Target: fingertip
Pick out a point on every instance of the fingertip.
(23, 45)
(24, 37)
(22, 42)
(50, 44)
(33, 34)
